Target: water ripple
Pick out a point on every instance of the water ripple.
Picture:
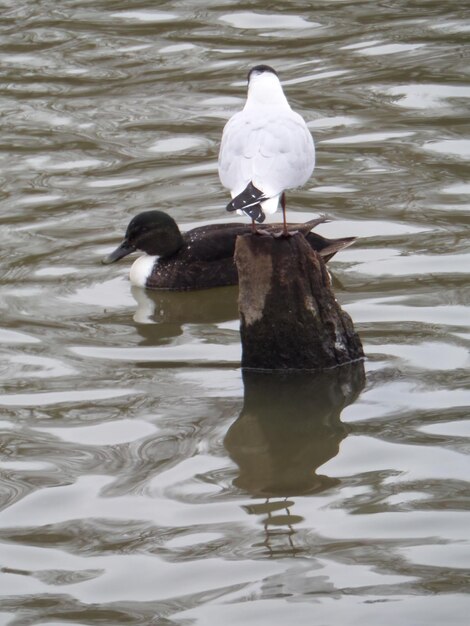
(129, 437)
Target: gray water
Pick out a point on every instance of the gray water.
(142, 479)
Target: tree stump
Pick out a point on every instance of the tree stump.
(289, 316)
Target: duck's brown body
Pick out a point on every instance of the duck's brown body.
(201, 258)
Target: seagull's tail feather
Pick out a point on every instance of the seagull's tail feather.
(248, 201)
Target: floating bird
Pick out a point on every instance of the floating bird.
(266, 148)
(200, 258)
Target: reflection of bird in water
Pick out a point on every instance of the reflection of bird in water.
(199, 258)
(162, 315)
(266, 148)
(278, 523)
(210, 306)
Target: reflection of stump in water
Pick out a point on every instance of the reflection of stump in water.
(289, 426)
(289, 317)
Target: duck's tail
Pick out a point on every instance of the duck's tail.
(327, 248)
(335, 245)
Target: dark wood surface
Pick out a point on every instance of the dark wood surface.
(289, 316)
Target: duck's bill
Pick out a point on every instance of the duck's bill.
(123, 250)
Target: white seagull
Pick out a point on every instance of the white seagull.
(266, 148)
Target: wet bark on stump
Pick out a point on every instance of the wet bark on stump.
(289, 316)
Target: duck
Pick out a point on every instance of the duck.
(200, 258)
(265, 149)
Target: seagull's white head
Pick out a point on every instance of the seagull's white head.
(264, 88)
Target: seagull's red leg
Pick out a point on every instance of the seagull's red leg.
(283, 205)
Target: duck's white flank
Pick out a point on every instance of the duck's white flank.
(141, 270)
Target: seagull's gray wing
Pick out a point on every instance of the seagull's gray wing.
(286, 155)
(274, 152)
(235, 156)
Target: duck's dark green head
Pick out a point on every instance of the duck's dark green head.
(153, 232)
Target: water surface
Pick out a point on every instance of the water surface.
(143, 479)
